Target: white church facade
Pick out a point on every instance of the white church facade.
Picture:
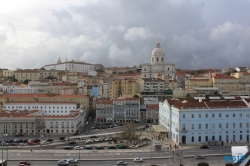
(158, 66)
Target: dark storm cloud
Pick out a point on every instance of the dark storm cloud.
(193, 34)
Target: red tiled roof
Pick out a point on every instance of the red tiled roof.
(152, 106)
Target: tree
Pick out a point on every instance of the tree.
(202, 164)
(188, 95)
(136, 96)
(26, 82)
(130, 133)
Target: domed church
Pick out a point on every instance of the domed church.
(158, 65)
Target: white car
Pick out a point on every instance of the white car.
(23, 144)
(121, 163)
(137, 159)
(78, 148)
(71, 160)
(198, 157)
(62, 162)
(108, 139)
(45, 143)
(133, 147)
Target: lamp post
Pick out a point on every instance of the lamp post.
(79, 150)
(221, 139)
(3, 135)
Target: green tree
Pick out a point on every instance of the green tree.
(136, 96)
(188, 95)
(202, 164)
(26, 82)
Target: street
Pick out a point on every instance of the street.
(213, 161)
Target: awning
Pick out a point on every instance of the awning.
(160, 128)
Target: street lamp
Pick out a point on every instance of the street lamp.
(79, 149)
(3, 135)
(221, 139)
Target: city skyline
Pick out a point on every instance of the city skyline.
(193, 34)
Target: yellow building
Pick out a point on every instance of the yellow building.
(22, 75)
(8, 73)
(172, 84)
(198, 82)
(114, 89)
(81, 100)
(1, 101)
(129, 87)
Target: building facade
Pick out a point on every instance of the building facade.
(104, 111)
(200, 119)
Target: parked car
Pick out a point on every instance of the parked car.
(22, 144)
(49, 140)
(31, 143)
(111, 147)
(78, 148)
(121, 163)
(19, 135)
(68, 148)
(72, 142)
(36, 140)
(122, 147)
(137, 159)
(99, 147)
(71, 160)
(45, 143)
(13, 144)
(93, 136)
(92, 128)
(16, 140)
(62, 162)
(25, 140)
(108, 139)
(88, 147)
(133, 147)
(198, 156)
(24, 162)
(204, 147)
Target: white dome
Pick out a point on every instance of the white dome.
(158, 51)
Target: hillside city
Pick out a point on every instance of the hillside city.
(185, 107)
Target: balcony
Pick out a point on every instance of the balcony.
(56, 127)
(51, 127)
(72, 126)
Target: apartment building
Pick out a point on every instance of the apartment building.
(193, 82)
(114, 89)
(104, 111)
(152, 113)
(80, 100)
(199, 119)
(133, 76)
(22, 75)
(8, 73)
(129, 87)
(126, 109)
(151, 85)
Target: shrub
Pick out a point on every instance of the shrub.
(202, 164)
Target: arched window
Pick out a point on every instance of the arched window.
(192, 138)
(157, 59)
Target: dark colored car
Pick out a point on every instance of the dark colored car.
(88, 147)
(93, 137)
(204, 147)
(19, 135)
(50, 140)
(111, 147)
(68, 148)
(99, 147)
(72, 142)
(122, 147)
(24, 162)
(36, 140)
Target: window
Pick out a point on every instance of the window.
(199, 115)
(199, 138)
(247, 114)
(233, 115)
(226, 125)
(240, 125)
(227, 115)
(192, 126)
(233, 125)
(192, 138)
(192, 115)
(206, 115)
(183, 116)
(219, 125)
(206, 126)
(199, 126)
(247, 124)
(240, 114)
(220, 115)
(212, 115)
(213, 125)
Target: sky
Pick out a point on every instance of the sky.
(193, 33)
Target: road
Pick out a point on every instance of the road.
(213, 161)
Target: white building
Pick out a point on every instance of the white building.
(92, 73)
(20, 89)
(72, 66)
(33, 123)
(47, 108)
(105, 90)
(200, 119)
(157, 65)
